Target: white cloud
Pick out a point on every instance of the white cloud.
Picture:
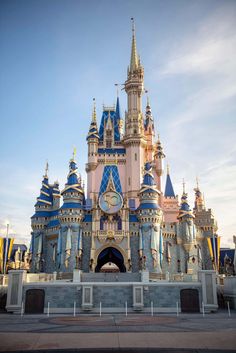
(201, 130)
(212, 49)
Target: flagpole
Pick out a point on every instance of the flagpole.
(6, 251)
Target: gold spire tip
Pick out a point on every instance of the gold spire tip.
(197, 182)
(133, 25)
(117, 89)
(183, 186)
(46, 169)
(94, 110)
(168, 168)
(74, 153)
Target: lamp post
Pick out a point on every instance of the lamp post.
(6, 251)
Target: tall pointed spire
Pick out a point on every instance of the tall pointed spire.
(185, 209)
(199, 203)
(118, 108)
(45, 197)
(94, 116)
(93, 130)
(169, 190)
(46, 170)
(149, 122)
(73, 180)
(134, 55)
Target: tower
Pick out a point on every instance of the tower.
(150, 217)
(149, 132)
(46, 209)
(71, 214)
(159, 156)
(134, 139)
(187, 234)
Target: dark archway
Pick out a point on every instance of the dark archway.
(3, 302)
(34, 301)
(110, 255)
(189, 299)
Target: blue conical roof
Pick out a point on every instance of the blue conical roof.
(73, 182)
(45, 197)
(118, 108)
(185, 209)
(169, 191)
(148, 178)
(148, 192)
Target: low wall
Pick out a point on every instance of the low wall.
(112, 296)
(90, 291)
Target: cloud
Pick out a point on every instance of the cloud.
(201, 128)
(212, 49)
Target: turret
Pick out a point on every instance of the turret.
(170, 201)
(158, 162)
(71, 215)
(199, 204)
(204, 218)
(39, 222)
(186, 218)
(149, 131)
(150, 218)
(187, 232)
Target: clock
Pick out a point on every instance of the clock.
(110, 202)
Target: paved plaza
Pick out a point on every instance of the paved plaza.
(118, 333)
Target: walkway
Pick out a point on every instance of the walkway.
(134, 333)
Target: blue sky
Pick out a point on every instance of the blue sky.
(57, 55)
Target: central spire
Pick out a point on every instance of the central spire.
(134, 55)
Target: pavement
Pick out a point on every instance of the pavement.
(136, 333)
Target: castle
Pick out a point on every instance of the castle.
(128, 221)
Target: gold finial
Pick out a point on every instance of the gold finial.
(133, 25)
(197, 182)
(46, 169)
(168, 169)
(74, 153)
(148, 102)
(117, 89)
(94, 110)
(183, 186)
(158, 137)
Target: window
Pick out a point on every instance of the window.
(135, 157)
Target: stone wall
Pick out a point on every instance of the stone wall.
(113, 296)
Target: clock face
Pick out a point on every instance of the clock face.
(110, 202)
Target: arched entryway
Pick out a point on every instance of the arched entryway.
(189, 299)
(34, 301)
(110, 255)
